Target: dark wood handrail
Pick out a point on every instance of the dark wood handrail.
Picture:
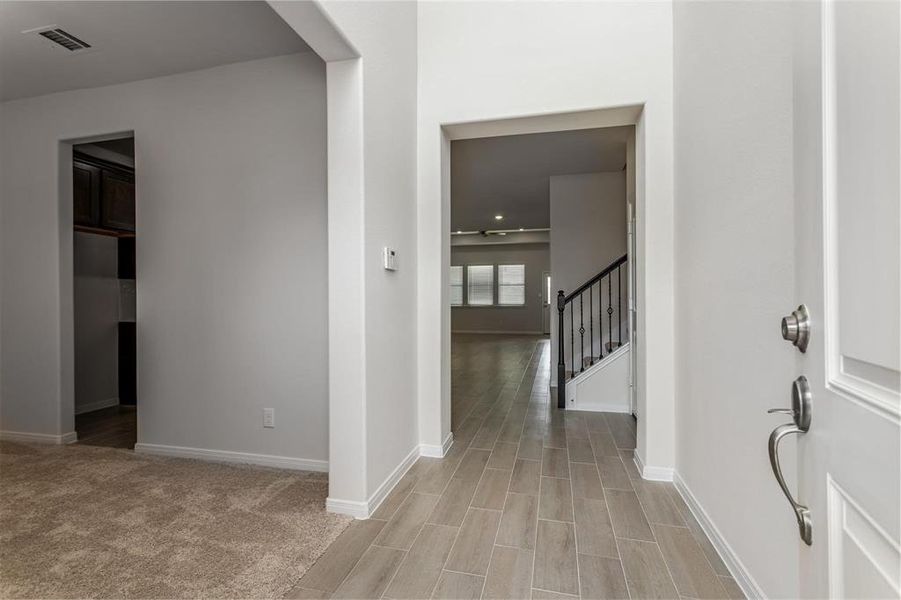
(596, 278)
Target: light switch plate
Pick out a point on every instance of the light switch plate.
(390, 258)
(269, 418)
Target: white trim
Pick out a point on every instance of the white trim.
(41, 438)
(434, 451)
(363, 510)
(99, 405)
(652, 473)
(495, 332)
(357, 510)
(737, 568)
(227, 456)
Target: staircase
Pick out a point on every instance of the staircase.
(590, 324)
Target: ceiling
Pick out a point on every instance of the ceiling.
(132, 41)
(508, 175)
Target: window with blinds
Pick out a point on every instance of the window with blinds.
(480, 280)
(511, 285)
(456, 286)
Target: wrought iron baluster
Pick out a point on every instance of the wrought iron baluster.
(581, 334)
(610, 310)
(619, 302)
(590, 325)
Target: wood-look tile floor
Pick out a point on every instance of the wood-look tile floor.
(113, 427)
(530, 502)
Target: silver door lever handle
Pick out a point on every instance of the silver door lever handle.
(802, 514)
(800, 412)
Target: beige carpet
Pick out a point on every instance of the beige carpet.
(89, 522)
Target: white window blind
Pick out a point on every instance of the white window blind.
(481, 285)
(456, 286)
(511, 285)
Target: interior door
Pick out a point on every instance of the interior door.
(546, 303)
(846, 164)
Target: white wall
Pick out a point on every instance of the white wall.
(483, 61)
(588, 232)
(231, 213)
(734, 273)
(96, 320)
(371, 52)
(508, 319)
(588, 225)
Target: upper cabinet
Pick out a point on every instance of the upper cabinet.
(103, 195)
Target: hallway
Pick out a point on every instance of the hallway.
(530, 502)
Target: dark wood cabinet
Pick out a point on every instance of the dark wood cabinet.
(117, 201)
(86, 194)
(103, 195)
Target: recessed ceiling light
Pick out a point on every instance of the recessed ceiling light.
(521, 229)
(498, 217)
(459, 232)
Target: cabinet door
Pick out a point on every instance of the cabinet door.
(118, 201)
(86, 194)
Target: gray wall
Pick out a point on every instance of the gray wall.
(231, 255)
(509, 319)
(735, 227)
(588, 232)
(96, 289)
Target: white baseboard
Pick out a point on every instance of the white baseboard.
(498, 332)
(99, 405)
(434, 451)
(227, 456)
(652, 473)
(739, 572)
(40, 438)
(610, 408)
(363, 510)
(357, 510)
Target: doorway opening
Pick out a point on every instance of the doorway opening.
(104, 292)
(533, 216)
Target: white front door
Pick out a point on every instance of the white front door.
(846, 164)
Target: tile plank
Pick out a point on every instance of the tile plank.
(472, 550)
(371, 575)
(594, 532)
(555, 558)
(627, 517)
(492, 490)
(510, 574)
(421, 568)
(690, 570)
(646, 572)
(601, 578)
(404, 526)
(518, 522)
(333, 566)
(556, 500)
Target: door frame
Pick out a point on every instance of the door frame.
(546, 296)
(655, 451)
(67, 275)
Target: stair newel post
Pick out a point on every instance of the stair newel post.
(561, 361)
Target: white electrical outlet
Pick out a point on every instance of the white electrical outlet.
(269, 417)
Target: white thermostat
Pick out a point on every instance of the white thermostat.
(390, 259)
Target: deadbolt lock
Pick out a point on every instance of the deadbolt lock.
(796, 328)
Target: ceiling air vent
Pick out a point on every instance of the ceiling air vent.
(61, 37)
